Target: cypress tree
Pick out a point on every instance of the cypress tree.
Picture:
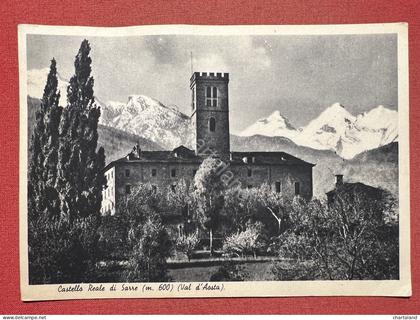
(42, 196)
(80, 179)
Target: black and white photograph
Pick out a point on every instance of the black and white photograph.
(208, 161)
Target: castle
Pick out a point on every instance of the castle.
(210, 115)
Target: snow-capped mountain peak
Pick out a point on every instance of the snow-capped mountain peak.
(378, 118)
(274, 125)
(337, 129)
(334, 129)
(139, 103)
(149, 118)
(335, 116)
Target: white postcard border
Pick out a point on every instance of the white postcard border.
(401, 287)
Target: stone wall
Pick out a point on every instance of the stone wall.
(248, 175)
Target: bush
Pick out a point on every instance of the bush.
(245, 242)
(112, 242)
(229, 271)
(62, 252)
(187, 244)
(296, 271)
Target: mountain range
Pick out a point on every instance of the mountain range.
(336, 141)
(334, 129)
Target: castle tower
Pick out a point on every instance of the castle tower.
(210, 113)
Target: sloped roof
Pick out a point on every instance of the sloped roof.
(183, 154)
(357, 187)
(269, 158)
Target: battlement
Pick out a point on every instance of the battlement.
(209, 76)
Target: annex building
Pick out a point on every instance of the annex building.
(285, 173)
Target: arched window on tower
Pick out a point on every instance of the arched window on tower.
(212, 124)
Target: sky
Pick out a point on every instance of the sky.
(298, 75)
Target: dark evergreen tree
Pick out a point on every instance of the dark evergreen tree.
(42, 197)
(80, 180)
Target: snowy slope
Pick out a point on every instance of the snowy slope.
(325, 131)
(335, 129)
(140, 115)
(274, 125)
(147, 117)
(382, 121)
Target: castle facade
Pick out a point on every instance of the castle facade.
(283, 172)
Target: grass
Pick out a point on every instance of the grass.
(256, 271)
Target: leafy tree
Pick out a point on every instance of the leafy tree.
(275, 206)
(136, 206)
(208, 196)
(151, 248)
(352, 238)
(42, 196)
(245, 242)
(187, 243)
(257, 204)
(80, 178)
(140, 234)
(179, 199)
(241, 206)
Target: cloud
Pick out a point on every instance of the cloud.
(298, 75)
(211, 63)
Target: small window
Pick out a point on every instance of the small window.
(173, 188)
(249, 160)
(249, 173)
(127, 172)
(212, 124)
(127, 189)
(173, 173)
(278, 186)
(154, 188)
(154, 172)
(297, 188)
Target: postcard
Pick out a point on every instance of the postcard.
(214, 161)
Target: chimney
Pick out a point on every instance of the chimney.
(136, 153)
(138, 150)
(338, 180)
